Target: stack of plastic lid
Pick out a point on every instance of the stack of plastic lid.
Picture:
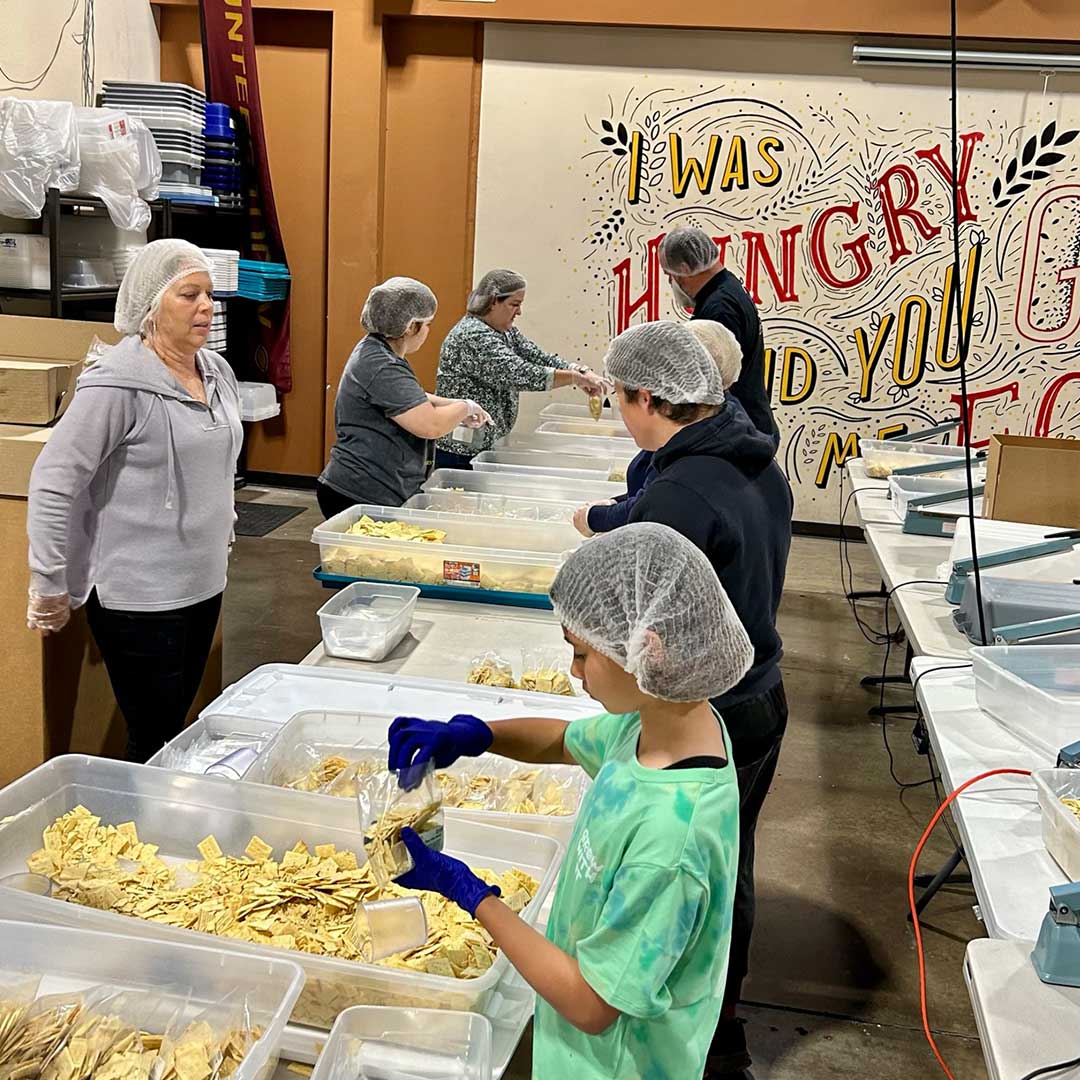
(224, 269)
(221, 165)
(174, 114)
(263, 280)
(218, 329)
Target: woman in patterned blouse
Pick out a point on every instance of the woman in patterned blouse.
(486, 358)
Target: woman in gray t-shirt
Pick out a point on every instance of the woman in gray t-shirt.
(384, 420)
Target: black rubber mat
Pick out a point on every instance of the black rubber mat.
(259, 518)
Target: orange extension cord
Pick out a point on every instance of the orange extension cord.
(911, 901)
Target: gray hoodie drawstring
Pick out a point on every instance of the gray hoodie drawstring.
(170, 451)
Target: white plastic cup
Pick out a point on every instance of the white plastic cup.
(383, 928)
(37, 884)
(234, 765)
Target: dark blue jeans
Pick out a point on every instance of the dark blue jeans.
(444, 459)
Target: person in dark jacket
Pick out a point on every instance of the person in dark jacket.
(718, 484)
(691, 261)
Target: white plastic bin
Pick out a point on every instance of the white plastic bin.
(177, 811)
(476, 504)
(258, 401)
(365, 621)
(570, 466)
(311, 736)
(1061, 827)
(24, 261)
(882, 456)
(379, 1042)
(557, 410)
(902, 489)
(590, 429)
(1032, 690)
(212, 738)
(547, 488)
(167, 976)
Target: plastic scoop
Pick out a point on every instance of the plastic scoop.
(379, 1060)
(37, 884)
(384, 928)
(234, 765)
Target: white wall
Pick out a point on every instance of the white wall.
(126, 45)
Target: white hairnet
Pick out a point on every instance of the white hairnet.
(688, 251)
(722, 345)
(494, 285)
(392, 307)
(156, 267)
(666, 359)
(646, 598)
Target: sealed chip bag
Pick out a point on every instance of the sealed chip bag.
(546, 671)
(390, 801)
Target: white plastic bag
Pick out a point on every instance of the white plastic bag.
(112, 167)
(39, 149)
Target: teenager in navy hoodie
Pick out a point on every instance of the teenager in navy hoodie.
(717, 482)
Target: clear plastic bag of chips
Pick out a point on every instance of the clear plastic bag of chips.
(546, 671)
(491, 669)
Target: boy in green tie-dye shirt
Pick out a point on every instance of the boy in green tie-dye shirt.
(631, 974)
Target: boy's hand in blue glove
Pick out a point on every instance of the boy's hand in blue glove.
(415, 742)
(434, 872)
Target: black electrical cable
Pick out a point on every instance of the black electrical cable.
(872, 636)
(1051, 1069)
(34, 82)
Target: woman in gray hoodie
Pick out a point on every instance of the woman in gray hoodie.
(131, 501)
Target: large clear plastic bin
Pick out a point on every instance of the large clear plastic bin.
(902, 489)
(557, 410)
(571, 466)
(590, 429)
(169, 977)
(547, 442)
(546, 488)
(177, 811)
(882, 456)
(310, 737)
(366, 622)
(212, 738)
(382, 1041)
(501, 556)
(1061, 826)
(1033, 690)
(443, 501)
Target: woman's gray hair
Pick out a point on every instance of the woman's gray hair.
(495, 285)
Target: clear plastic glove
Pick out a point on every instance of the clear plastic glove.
(478, 416)
(414, 742)
(435, 872)
(49, 614)
(593, 384)
(581, 520)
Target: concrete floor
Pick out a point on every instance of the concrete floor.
(833, 990)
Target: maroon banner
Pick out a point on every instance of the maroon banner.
(232, 77)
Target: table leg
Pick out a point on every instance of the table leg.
(931, 885)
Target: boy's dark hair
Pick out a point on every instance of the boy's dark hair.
(687, 413)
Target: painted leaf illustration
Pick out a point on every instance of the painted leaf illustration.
(1066, 137)
(1048, 133)
(1029, 150)
(607, 140)
(997, 188)
(619, 150)
(623, 137)
(1017, 189)
(1034, 174)
(1010, 172)
(606, 125)
(1051, 158)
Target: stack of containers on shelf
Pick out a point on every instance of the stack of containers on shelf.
(224, 269)
(218, 339)
(95, 254)
(174, 113)
(263, 280)
(24, 261)
(221, 164)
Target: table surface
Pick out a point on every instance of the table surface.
(1024, 1024)
(999, 821)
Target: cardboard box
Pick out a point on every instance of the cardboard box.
(19, 449)
(35, 391)
(1033, 481)
(51, 339)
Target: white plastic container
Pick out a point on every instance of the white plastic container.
(24, 261)
(211, 738)
(311, 736)
(366, 622)
(258, 401)
(386, 1043)
(476, 504)
(569, 466)
(501, 556)
(546, 488)
(1061, 827)
(882, 456)
(177, 811)
(589, 429)
(167, 976)
(1032, 690)
(557, 410)
(902, 489)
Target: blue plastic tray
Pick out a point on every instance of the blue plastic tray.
(445, 592)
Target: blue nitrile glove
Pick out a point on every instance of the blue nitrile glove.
(415, 742)
(435, 872)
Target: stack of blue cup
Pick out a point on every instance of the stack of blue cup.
(221, 167)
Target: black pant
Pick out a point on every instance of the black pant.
(445, 459)
(331, 501)
(760, 724)
(155, 661)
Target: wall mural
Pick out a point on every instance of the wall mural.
(831, 202)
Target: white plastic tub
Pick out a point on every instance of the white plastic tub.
(366, 622)
(496, 555)
(212, 738)
(310, 737)
(882, 456)
(167, 976)
(476, 504)
(1033, 690)
(376, 1042)
(589, 429)
(569, 466)
(902, 489)
(1061, 827)
(557, 410)
(258, 401)
(546, 488)
(24, 261)
(177, 811)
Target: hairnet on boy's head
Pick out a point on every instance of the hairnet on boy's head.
(392, 307)
(722, 345)
(666, 359)
(494, 285)
(688, 251)
(157, 266)
(646, 598)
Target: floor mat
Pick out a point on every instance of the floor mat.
(259, 518)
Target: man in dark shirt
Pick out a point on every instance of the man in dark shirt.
(691, 261)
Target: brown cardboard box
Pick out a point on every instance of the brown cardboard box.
(51, 339)
(1033, 481)
(35, 391)
(19, 449)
